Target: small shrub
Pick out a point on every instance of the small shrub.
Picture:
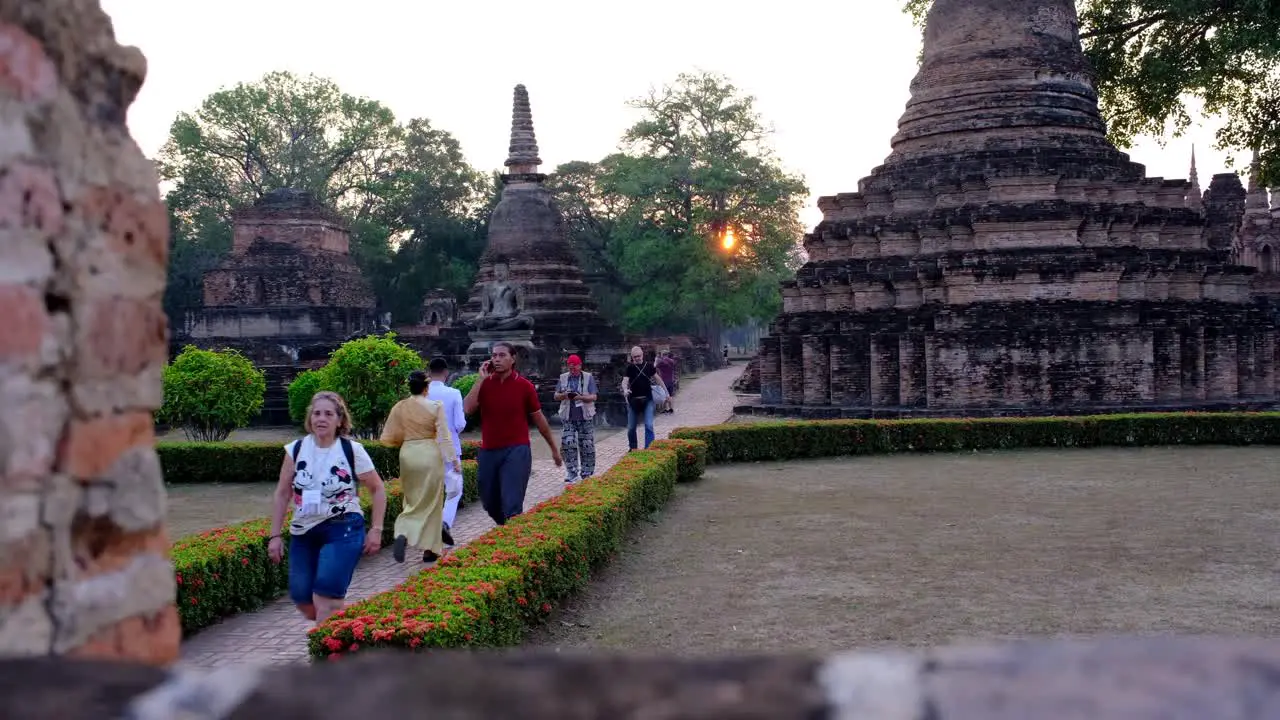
(463, 385)
(211, 393)
(301, 390)
(372, 375)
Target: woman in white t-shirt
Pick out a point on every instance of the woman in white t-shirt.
(327, 530)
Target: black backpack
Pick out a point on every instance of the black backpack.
(347, 450)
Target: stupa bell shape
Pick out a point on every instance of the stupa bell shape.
(1000, 74)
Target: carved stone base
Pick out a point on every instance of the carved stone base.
(482, 341)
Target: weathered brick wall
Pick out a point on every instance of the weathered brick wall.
(83, 566)
(1101, 679)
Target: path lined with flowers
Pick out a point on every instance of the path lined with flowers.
(277, 633)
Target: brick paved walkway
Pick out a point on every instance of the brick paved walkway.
(277, 633)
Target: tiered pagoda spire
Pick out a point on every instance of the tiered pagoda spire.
(522, 155)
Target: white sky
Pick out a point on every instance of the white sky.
(831, 77)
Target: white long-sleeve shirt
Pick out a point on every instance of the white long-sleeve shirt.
(452, 400)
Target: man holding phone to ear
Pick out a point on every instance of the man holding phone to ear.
(506, 401)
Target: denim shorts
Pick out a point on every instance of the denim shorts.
(323, 559)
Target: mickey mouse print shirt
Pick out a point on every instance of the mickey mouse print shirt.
(323, 486)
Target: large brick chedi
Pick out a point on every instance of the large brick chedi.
(83, 566)
(1006, 258)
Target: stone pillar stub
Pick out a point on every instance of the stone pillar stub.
(770, 370)
(793, 370)
(817, 370)
(885, 378)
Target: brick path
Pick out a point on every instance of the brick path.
(277, 633)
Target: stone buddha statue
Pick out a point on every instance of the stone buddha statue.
(501, 304)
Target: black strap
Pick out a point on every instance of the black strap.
(350, 452)
(297, 448)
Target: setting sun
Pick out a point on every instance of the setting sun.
(729, 240)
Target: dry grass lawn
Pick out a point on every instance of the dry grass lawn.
(929, 549)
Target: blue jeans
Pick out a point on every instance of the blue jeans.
(648, 424)
(323, 559)
(503, 478)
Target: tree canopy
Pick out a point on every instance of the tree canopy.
(1155, 57)
(406, 189)
(650, 221)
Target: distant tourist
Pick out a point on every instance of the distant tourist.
(638, 389)
(577, 394)
(726, 354)
(666, 366)
(419, 426)
(506, 401)
(452, 399)
(327, 532)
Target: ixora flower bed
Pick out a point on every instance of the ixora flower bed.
(226, 571)
(489, 592)
(789, 440)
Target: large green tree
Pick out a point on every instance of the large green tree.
(649, 221)
(1158, 59)
(408, 193)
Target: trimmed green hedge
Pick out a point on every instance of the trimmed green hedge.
(488, 593)
(691, 457)
(228, 462)
(795, 439)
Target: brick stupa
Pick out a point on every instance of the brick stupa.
(529, 289)
(1007, 259)
(287, 294)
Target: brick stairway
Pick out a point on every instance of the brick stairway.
(277, 633)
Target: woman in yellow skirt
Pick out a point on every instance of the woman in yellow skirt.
(419, 427)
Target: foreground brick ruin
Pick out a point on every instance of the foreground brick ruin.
(1006, 258)
(83, 566)
(1119, 679)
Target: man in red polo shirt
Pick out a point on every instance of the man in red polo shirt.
(506, 401)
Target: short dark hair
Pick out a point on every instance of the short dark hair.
(511, 349)
(438, 365)
(418, 382)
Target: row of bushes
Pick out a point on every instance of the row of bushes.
(229, 462)
(789, 440)
(488, 593)
(226, 571)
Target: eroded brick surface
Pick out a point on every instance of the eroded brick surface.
(278, 632)
(83, 553)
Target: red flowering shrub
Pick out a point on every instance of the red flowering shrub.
(490, 591)
(792, 439)
(225, 571)
(691, 457)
